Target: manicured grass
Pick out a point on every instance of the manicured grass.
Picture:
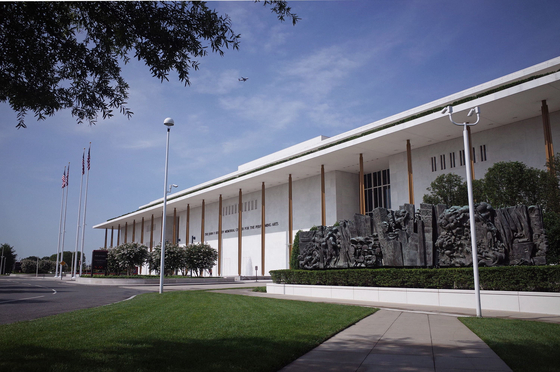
(259, 289)
(175, 331)
(523, 345)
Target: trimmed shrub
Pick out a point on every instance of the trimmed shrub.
(507, 278)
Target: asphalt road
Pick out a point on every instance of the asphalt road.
(28, 298)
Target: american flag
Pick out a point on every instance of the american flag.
(68, 174)
(83, 162)
(88, 156)
(64, 178)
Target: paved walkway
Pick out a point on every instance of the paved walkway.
(402, 341)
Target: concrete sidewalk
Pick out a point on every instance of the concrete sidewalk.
(403, 337)
(402, 341)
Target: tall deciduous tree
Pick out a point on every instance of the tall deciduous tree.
(10, 256)
(67, 55)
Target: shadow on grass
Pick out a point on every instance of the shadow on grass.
(232, 354)
(523, 345)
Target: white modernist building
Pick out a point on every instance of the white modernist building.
(252, 215)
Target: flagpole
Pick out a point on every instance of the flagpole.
(79, 218)
(64, 224)
(85, 207)
(60, 223)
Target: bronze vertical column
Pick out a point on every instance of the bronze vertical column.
(240, 232)
(410, 174)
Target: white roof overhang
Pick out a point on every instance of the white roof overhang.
(341, 153)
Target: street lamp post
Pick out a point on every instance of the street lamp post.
(168, 122)
(476, 110)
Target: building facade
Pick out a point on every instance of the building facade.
(252, 215)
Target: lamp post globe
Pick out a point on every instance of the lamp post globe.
(168, 122)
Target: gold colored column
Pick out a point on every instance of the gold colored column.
(105, 239)
(290, 216)
(174, 240)
(220, 237)
(133, 230)
(125, 232)
(548, 147)
(240, 232)
(410, 175)
(142, 232)
(262, 230)
(202, 224)
(323, 202)
(188, 223)
(362, 188)
(152, 234)
(112, 236)
(119, 235)
(471, 150)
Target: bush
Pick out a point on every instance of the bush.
(294, 260)
(126, 257)
(509, 278)
(200, 257)
(175, 258)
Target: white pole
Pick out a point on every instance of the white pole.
(60, 223)
(449, 110)
(85, 206)
(64, 223)
(472, 220)
(79, 217)
(169, 123)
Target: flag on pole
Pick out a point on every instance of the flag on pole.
(68, 174)
(88, 156)
(64, 178)
(83, 162)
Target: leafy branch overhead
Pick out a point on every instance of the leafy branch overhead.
(67, 55)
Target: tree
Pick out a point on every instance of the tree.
(175, 258)
(448, 189)
(294, 257)
(10, 256)
(67, 257)
(29, 266)
(511, 183)
(126, 257)
(71, 51)
(200, 257)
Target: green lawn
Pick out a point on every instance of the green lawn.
(175, 331)
(523, 345)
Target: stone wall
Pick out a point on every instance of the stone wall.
(431, 236)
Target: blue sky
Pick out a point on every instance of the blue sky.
(344, 65)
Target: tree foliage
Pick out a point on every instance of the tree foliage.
(67, 258)
(448, 189)
(294, 260)
(10, 256)
(126, 257)
(175, 258)
(512, 183)
(68, 55)
(200, 257)
(29, 266)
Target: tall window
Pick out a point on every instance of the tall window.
(377, 187)
(434, 164)
(442, 161)
(452, 160)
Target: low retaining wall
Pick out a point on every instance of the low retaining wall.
(526, 302)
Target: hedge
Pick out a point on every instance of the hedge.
(508, 278)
